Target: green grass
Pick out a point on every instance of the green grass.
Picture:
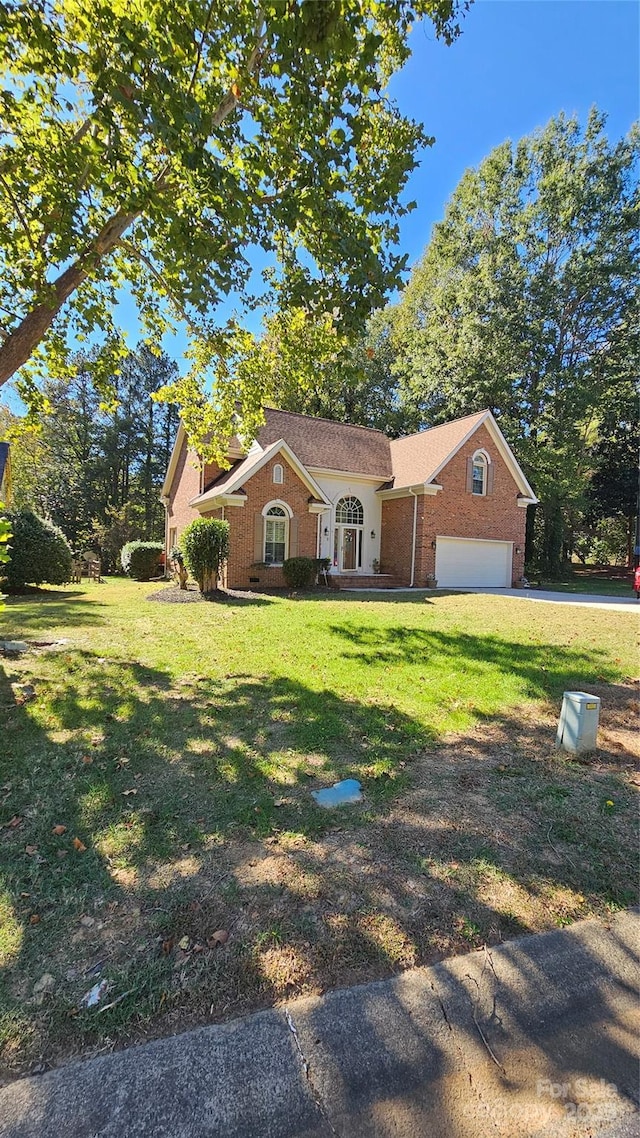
(179, 744)
(612, 582)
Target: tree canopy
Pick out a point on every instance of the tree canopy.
(96, 471)
(160, 147)
(526, 302)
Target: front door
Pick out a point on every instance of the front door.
(348, 548)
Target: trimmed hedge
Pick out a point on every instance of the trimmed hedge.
(299, 572)
(205, 545)
(141, 559)
(39, 552)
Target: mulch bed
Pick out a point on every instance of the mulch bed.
(173, 595)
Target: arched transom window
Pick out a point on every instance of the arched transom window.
(479, 473)
(276, 535)
(349, 512)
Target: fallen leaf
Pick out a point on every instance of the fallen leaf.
(13, 822)
(87, 759)
(167, 945)
(35, 919)
(220, 936)
(183, 943)
(62, 853)
(59, 830)
(126, 793)
(78, 845)
(31, 850)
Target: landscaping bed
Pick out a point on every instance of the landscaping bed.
(159, 843)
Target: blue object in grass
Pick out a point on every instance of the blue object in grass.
(340, 794)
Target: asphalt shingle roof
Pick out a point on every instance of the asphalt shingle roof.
(328, 445)
(416, 458)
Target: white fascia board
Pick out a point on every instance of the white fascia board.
(348, 475)
(279, 447)
(173, 462)
(204, 506)
(428, 488)
(504, 449)
(282, 447)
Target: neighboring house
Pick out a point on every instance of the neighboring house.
(5, 474)
(447, 504)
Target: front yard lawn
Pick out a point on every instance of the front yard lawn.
(610, 581)
(156, 790)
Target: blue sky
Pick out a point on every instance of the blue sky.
(517, 63)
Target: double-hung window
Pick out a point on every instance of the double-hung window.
(276, 526)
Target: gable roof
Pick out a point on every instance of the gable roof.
(416, 458)
(231, 481)
(420, 458)
(323, 444)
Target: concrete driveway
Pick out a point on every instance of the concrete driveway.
(534, 1039)
(590, 600)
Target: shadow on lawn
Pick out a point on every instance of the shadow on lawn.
(546, 668)
(33, 610)
(193, 802)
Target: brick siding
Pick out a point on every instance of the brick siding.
(454, 512)
(260, 490)
(185, 486)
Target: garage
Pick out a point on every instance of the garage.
(468, 563)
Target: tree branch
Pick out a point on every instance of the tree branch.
(18, 212)
(133, 250)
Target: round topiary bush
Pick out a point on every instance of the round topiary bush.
(205, 545)
(299, 572)
(141, 559)
(39, 552)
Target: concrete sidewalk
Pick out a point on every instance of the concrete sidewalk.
(535, 1039)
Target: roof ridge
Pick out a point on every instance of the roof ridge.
(323, 419)
(438, 426)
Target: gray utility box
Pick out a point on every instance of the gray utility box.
(578, 726)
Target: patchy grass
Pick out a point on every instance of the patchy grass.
(156, 791)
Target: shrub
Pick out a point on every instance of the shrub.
(299, 572)
(205, 545)
(141, 559)
(39, 552)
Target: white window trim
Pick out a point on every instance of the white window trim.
(278, 467)
(480, 458)
(287, 520)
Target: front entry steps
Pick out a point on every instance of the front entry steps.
(359, 581)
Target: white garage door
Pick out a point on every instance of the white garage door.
(468, 563)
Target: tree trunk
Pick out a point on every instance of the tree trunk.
(552, 539)
(22, 342)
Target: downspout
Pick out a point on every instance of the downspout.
(165, 503)
(413, 543)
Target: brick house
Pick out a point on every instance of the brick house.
(446, 504)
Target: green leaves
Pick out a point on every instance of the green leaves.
(524, 302)
(159, 146)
